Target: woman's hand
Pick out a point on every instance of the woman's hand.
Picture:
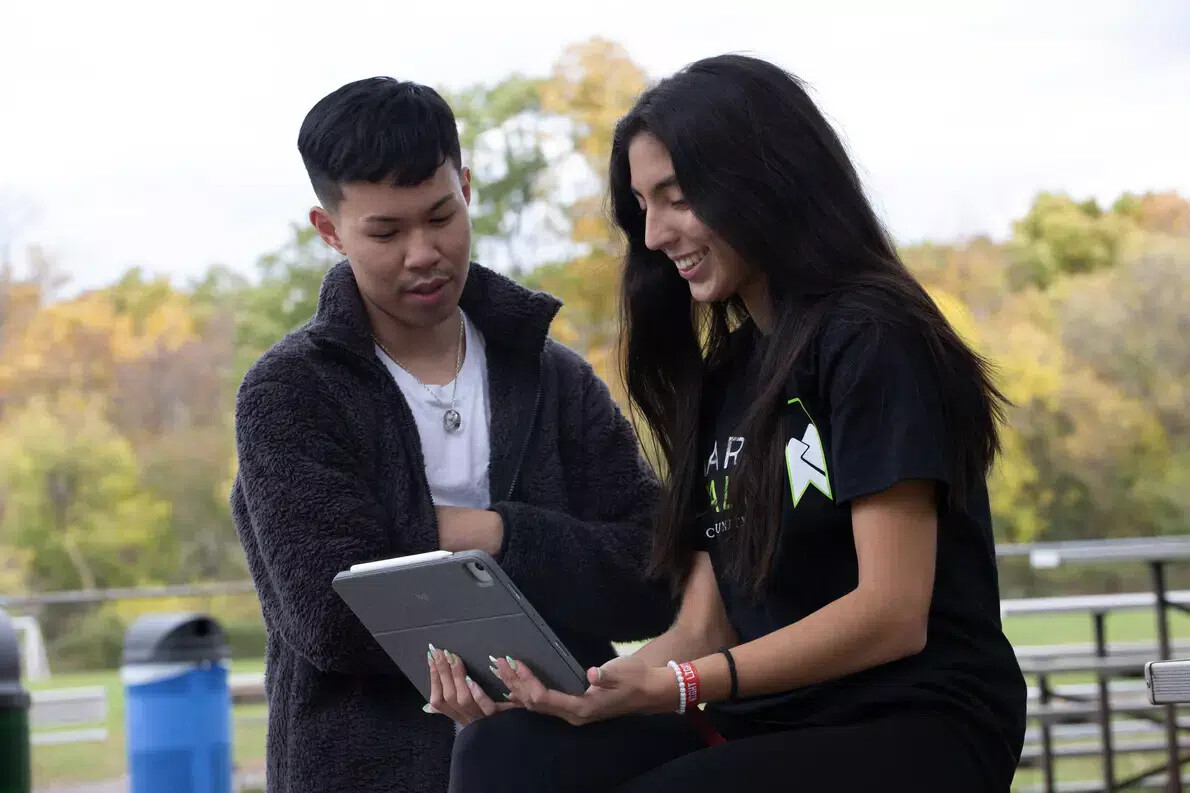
(621, 686)
(453, 693)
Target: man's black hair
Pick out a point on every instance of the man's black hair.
(374, 130)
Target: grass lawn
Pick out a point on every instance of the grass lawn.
(88, 762)
(68, 764)
(1069, 769)
(1124, 626)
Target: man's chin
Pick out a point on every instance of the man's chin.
(417, 314)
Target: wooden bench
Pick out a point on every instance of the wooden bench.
(1122, 601)
(1085, 719)
(247, 688)
(1148, 650)
(68, 715)
(1155, 782)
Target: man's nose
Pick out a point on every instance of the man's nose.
(422, 252)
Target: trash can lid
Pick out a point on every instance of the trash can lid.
(12, 695)
(174, 638)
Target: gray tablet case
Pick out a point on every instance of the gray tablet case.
(461, 602)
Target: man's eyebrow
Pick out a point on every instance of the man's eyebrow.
(441, 202)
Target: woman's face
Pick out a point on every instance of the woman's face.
(711, 267)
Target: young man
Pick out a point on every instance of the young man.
(423, 407)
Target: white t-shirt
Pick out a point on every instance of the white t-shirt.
(456, 462)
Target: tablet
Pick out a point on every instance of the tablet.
(461, 602)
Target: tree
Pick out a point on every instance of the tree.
(282, 298)
(1061, 236)
(589, 320)
(592, 86)
(504, 133)
(155, 364)
(1130, 325)
(20, 301)
(73, 498)
(1164, 213)
(81, 345)
(975, 272)
(187, 468)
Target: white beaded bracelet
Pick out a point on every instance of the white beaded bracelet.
(681, 711)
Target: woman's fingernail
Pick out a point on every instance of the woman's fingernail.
(508, 695)
(450, 659)
(494, 671)
(511, 662)
(429, 657)
(433, 650)
(428, 708)
(600, 670)
(492, 658)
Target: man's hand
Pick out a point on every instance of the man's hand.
(465, 529)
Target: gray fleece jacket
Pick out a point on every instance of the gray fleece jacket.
(331, 474)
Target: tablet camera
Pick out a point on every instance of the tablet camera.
(479, 572)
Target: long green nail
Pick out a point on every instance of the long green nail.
(468, 678)
(450, 659)
(494, 671)
(511, 662)
(429, 656)
(492, 658)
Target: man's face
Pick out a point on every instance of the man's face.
(409, 247)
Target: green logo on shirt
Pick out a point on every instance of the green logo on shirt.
(806, 462)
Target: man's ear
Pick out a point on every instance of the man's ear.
(324, 224)
(465, 183)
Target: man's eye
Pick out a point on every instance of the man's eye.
(679, 203)
(442, 221)
(387, 236)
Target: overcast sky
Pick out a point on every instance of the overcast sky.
(163, 134)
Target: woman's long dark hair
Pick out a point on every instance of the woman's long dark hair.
(761, 167)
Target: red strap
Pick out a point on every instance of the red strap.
(690, 681)
(704, 728)
(693, 694)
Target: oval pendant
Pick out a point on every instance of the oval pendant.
(451, 420)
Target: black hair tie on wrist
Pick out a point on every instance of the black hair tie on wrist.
(735, 680)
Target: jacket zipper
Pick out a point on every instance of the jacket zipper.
(516, 473)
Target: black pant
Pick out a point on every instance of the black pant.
(522, 752)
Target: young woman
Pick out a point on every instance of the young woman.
(826, 437)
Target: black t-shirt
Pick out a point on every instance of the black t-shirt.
(862, 412)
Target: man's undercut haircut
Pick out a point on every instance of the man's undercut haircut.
(374, 130)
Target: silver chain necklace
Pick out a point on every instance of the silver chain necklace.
(452, 420)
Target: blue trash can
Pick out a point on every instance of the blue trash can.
(177, 705)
